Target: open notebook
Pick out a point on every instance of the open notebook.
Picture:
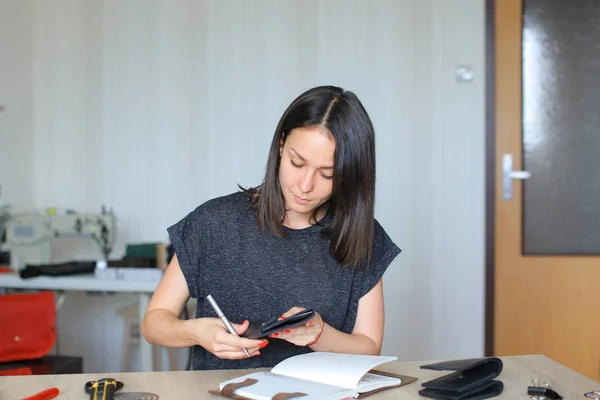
(317, 375)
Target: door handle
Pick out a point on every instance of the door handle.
(508, 175)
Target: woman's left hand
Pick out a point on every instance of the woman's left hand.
(302, 335)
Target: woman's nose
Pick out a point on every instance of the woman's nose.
(306, 185)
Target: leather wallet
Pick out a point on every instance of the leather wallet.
(261, 329)
(473, 379)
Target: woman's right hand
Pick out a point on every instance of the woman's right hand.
(212, 334)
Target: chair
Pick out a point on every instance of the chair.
(131, 338)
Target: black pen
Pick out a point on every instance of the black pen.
(230, 327)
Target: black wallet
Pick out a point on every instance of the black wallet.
(473, 379)
(261, 329)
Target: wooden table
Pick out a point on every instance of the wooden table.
(517, 375)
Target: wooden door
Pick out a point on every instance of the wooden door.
(547, 263)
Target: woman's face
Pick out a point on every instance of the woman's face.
(306, 173)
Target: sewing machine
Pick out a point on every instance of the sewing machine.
(29, 235)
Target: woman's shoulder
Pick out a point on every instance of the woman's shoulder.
(378, 228)
(382, 241)
(222, 206)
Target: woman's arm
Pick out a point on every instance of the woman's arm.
(366, 338)
(162, 326)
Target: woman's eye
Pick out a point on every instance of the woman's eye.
(327, 176)
(295, 165)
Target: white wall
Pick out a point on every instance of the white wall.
(154, 107)
(16, 95)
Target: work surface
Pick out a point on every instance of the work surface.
(87, 282)
(517, 375)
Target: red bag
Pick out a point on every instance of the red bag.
(27, 326)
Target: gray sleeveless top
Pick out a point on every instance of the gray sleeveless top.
(258, 276)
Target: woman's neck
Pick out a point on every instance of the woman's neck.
(300, 221)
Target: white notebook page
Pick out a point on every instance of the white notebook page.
(344, 370)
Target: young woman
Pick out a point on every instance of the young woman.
(305, 238)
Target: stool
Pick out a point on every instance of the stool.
(132, 335)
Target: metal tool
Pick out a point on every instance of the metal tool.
(541, 390)
(136, 396)
(102, 389)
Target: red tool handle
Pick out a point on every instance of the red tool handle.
(45, 395)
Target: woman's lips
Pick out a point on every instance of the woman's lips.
(301, 200)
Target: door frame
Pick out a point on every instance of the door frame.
(490, 172)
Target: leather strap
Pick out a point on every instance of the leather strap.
(285, 396)
(229, 389)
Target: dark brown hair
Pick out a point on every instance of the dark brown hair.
(351, 206)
